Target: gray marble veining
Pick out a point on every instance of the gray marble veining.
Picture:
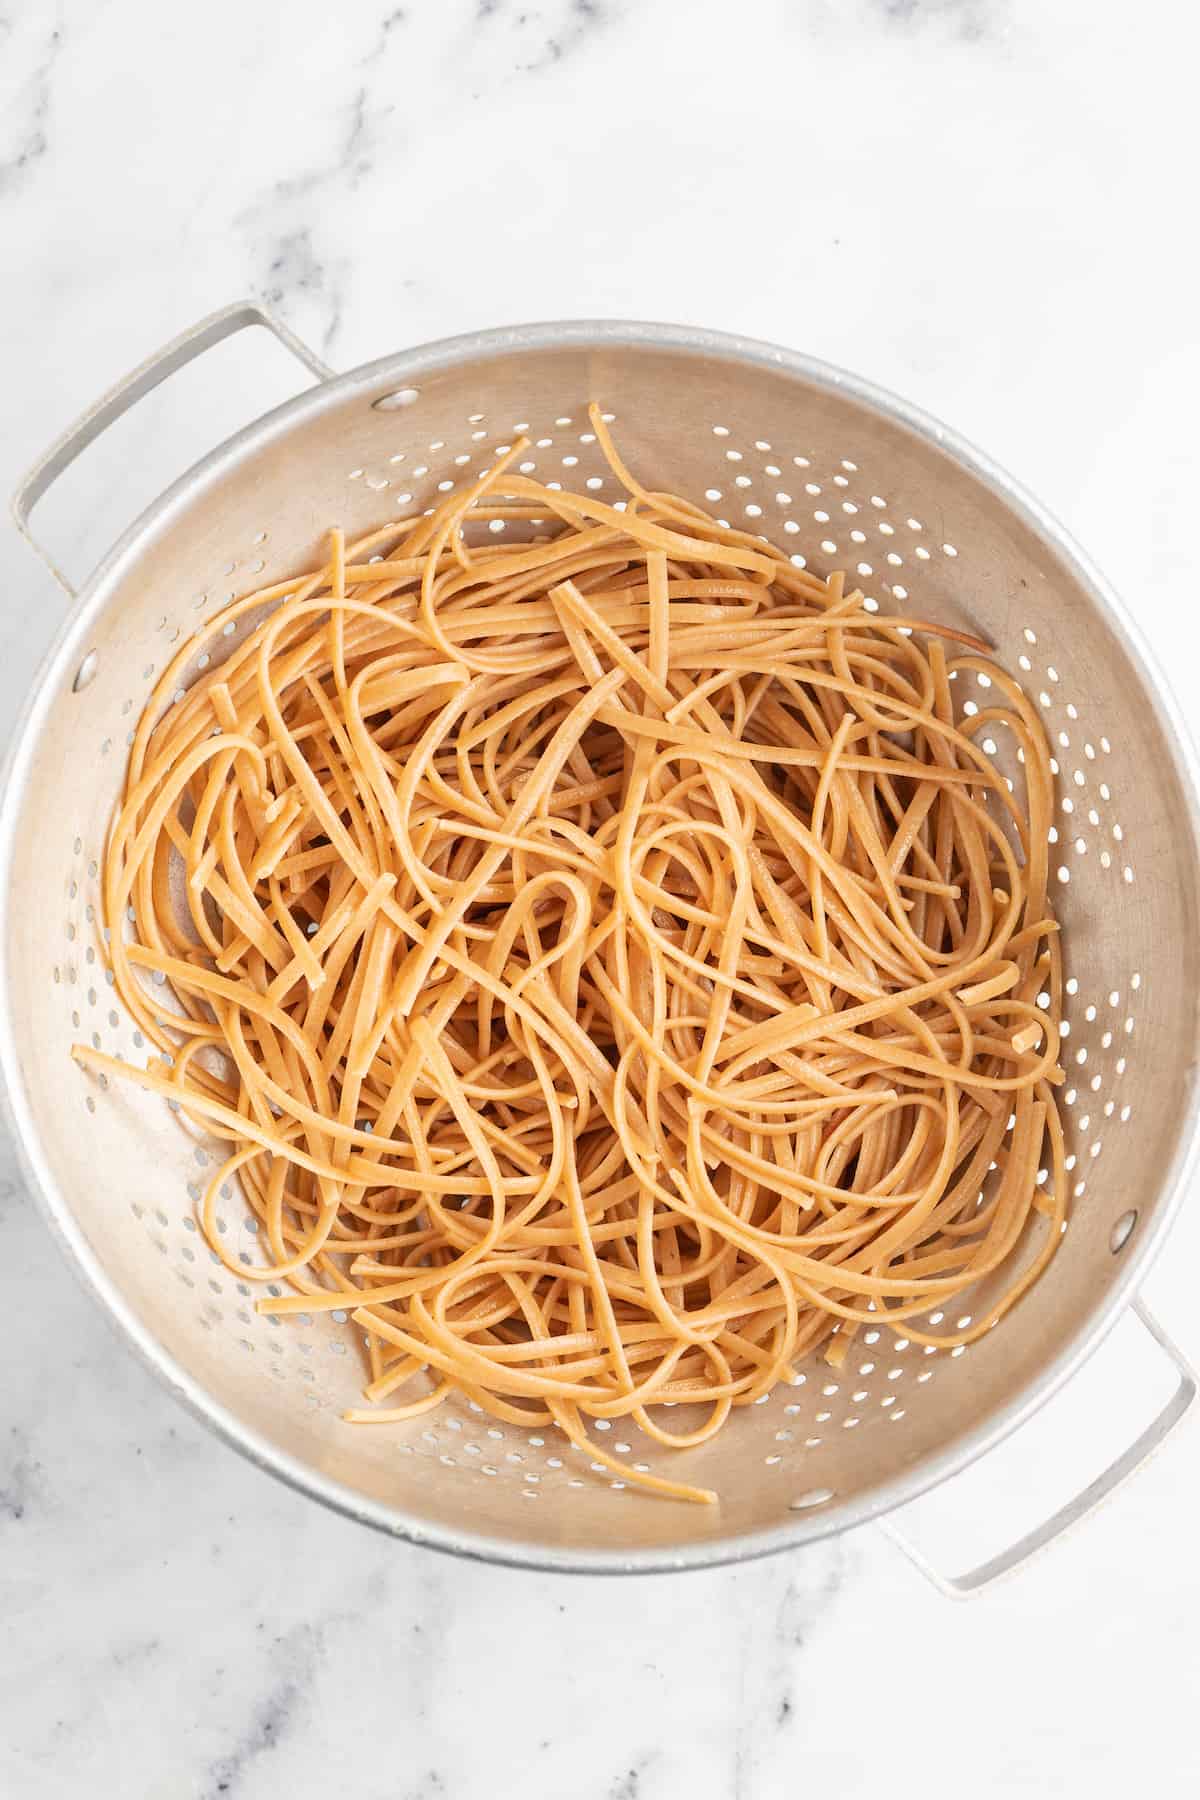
(974, 201)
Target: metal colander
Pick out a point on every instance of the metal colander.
(834, 471)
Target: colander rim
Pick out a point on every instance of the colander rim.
(406, 368)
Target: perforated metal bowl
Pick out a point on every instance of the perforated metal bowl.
(834, 470)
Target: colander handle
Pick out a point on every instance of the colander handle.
(962, 1587)
(134, 387)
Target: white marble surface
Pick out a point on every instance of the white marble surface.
(978, 202)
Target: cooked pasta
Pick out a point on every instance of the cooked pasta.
(616, 967)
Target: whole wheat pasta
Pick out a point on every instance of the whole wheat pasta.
(616, 968)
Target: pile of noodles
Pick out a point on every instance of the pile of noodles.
(612, 964)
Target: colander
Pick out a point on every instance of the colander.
(832, 469)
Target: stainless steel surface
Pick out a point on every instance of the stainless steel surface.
(835, 470)
(134, 387)
(1065, 1518)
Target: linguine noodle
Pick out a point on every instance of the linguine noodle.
(616, 967)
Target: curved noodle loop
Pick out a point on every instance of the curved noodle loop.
(613, 965)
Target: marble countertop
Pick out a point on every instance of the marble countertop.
(976, 202)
